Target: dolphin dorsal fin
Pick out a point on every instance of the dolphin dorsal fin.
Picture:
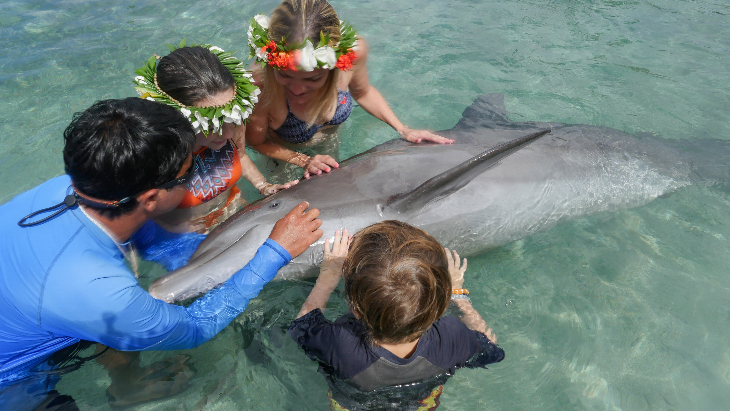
(485, 109)
(453, 179)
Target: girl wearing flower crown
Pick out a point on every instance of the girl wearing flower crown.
(214, 91)
(313, 66)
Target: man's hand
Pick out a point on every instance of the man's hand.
(298, 229)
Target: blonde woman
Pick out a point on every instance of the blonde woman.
(312, 68)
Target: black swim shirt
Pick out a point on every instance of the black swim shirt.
(366, 376)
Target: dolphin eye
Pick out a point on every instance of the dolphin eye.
(275, 204)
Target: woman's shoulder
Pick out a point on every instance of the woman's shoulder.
(361, 48)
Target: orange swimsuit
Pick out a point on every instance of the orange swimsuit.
(215, 172)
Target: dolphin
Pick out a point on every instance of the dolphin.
(500, 181)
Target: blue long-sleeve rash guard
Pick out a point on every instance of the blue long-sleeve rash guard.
(65, 280)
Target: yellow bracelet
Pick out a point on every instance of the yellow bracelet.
(460, 291)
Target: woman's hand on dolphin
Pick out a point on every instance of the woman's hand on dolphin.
(298, 229)
(319, 163)
(422, 136)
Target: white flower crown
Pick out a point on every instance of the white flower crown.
(211, 118)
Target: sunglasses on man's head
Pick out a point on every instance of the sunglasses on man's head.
(75, 198)
(184, 179)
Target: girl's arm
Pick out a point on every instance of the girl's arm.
(330, 273)
(470, 316)
(373, 102)
(250, 172)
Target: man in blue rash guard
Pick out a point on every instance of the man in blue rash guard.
(63, 276)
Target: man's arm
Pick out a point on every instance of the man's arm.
(171, 250)
(117, 312)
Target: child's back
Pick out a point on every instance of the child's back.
(394, 350)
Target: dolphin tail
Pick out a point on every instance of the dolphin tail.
(708, 159)
(703, 161)
(457, 177)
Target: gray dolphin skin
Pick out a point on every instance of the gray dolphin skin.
(476, 194)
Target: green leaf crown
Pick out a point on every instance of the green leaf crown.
(204, 119)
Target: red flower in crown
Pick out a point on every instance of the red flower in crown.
(270, 46)
(344, 62)
(282, 60)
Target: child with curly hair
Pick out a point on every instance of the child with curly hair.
(395, 348)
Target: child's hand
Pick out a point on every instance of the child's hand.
(329, 274)
(491, 335)
(456, 271)
(335, 257)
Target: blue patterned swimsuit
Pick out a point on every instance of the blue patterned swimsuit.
(294, 130)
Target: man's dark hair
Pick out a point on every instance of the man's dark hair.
(397, 280)
(120, 148)
(191, 74)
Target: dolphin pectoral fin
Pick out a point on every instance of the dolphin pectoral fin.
(453, 179)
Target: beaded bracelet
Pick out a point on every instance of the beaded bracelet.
(459, 291)
(460, 297)
(303, 159)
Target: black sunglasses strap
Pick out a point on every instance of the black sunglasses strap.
(68, 202)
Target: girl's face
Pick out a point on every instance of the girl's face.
(301, 86)
(216, 141)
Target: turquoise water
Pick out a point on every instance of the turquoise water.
(626, 310)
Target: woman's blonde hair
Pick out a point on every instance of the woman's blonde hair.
(296, 21)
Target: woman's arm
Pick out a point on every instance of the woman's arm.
(373, 102)
(329, 274)
(470, 316)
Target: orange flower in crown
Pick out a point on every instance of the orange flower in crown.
(304, 56)
(345, 61)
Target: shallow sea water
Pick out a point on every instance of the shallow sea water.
(627, 310)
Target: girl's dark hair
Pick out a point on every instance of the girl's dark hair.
(192, 74)
(397, 280)
(120, 148)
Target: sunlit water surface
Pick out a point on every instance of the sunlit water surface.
(624, 310)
